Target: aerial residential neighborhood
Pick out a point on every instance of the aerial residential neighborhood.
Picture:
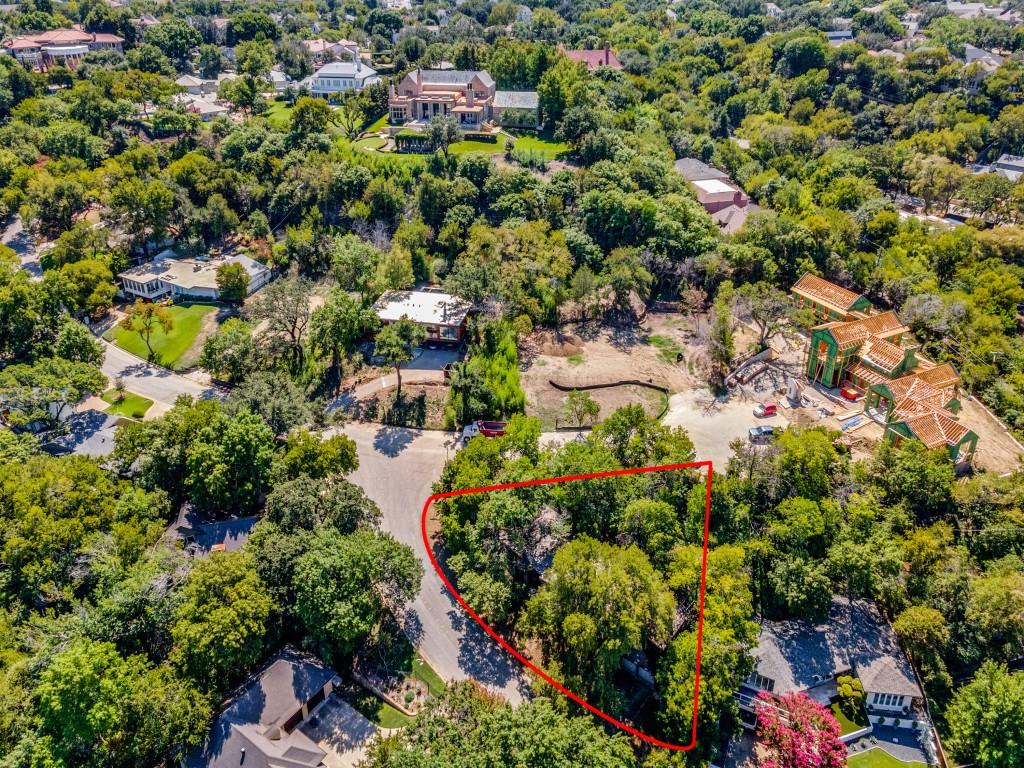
(475, 383)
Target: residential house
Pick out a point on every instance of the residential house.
(977, 10)
(873, 353)
(67, 47)
(86, 433)
(279, 80)
(337, 77)
(720, 196)
(1010, 166)
(197, 86)
(829, 301)
(206, 107)
(201, 535)
(516, 109)
(839, 36)
(323, 51)
(261, 725)
(471, 97)
(772, 10)
(797, 656)
(524, 14)
(443, 315)
(168, 276)
(594, 59)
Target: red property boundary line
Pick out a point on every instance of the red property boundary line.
(530, 665)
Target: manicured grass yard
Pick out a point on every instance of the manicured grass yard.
(380, 712)
(133, 406)
(168, 348)
(425, 673)
(371, 142)
(845, 723)
(539, 145)
(279, 115)
(377, 125)
(878, 758)
(483, 147)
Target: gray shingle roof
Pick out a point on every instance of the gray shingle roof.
(516, 99)
(254, 720)
(799, 655)
(692, 169)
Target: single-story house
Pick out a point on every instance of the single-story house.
(259, 728)
(169, 276)
(855, 639)
(516, 109)
(443, 315)
(717, 193)
(201, 535)
(86, 433)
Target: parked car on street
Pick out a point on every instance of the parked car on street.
(485, 428)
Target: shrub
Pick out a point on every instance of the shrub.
(851, 696)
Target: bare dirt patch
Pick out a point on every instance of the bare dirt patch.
(998, 451)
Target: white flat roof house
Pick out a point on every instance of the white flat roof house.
(336, 77)
(169, 276)
(443, 315)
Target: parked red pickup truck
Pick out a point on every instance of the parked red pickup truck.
(485, 428)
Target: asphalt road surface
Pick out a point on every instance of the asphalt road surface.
(158, 384)
(397, 469)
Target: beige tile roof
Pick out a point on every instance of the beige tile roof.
(935, 429)
(821, 291)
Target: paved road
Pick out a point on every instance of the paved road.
(397, 469)
(158, 384)
(23, 244)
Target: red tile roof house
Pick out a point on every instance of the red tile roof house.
(59, 46)
(602, 57)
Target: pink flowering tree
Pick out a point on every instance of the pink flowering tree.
(797, 732)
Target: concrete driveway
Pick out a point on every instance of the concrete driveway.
(158, 384)
(397, 469)
(342, 732)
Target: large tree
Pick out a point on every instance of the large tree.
(145, 319)
(986, 719)
(220, 623)
(396, 342)
(599, 603)
(345, 585)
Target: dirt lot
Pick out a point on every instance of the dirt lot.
(998, 451)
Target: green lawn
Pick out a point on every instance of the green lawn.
(425, 673)
(279, 115)
(540, 145)
(168, 348)
(377, 125)
(845, 723)
(370, 142)
(878, 758)
(380, 712)
(133, 406)
(479, 147)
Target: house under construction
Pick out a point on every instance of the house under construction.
(874, 354)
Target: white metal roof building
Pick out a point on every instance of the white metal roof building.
(443, 315)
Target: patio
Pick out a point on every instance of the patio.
(900, 743)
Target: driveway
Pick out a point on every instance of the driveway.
(713, 424)
(158, 384)
(24, 245)
(397, 469)
(342, 732)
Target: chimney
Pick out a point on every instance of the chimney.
(607, 53)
